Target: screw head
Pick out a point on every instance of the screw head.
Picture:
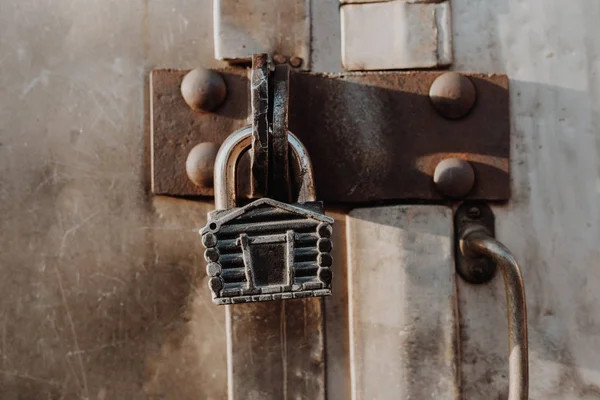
(203, 89)
(200, 164)
(478, 270)
(296, 62)
(454, 177)
(474, 213)
(453, 95)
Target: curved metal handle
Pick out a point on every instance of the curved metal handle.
(479, 243)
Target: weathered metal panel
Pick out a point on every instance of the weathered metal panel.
(402, 303)
(336, 315)
(102, 294)
(99, 283)
(246, 27)
(396, 35)
(276, 350)
(551, 52)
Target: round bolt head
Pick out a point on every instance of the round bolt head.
(203, 89)
(200, 164)
(480, 270)
(454, 177)
(296, 62)
(453, 95)
(474, 213)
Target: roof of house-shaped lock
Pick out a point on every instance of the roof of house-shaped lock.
(225, 216)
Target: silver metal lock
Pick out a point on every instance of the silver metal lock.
(266, 250)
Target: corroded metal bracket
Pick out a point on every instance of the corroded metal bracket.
(473, 217)
(371, 136)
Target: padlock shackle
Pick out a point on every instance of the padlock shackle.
(227, 161)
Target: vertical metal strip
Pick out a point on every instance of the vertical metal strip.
(279, 185)
(290, 257)
(276, 350)
(402, 303)
(259, 85)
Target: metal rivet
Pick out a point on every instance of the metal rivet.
(454, 177)
(279, 59)
(474, 213)
(203, 89)
(296, 62)
(453, 95)
(200, 164)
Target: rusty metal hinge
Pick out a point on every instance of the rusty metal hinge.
(377, 136)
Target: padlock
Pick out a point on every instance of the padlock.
(266, 250)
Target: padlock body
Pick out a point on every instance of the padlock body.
(268, 250)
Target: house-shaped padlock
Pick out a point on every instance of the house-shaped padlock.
(268, 250)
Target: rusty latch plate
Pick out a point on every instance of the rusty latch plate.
(371, 136)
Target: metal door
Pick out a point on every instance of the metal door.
(103, 289)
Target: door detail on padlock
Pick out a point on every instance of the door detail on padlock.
(266, 250)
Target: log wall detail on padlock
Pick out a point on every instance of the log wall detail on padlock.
(266, 250)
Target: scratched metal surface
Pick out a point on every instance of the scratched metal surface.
(100, 298)
(101, 295)
(550, 49)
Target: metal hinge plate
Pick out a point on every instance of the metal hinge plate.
(371, 136)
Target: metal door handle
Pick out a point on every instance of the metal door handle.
(477, 243)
